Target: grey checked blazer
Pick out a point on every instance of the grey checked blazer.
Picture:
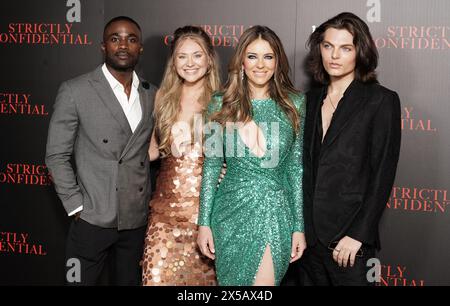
(112, 179)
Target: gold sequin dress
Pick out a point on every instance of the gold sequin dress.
(171, 255)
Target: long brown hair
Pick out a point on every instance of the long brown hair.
(236, 98)
(366, 50)
(167, 106)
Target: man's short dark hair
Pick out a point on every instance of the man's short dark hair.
(121, 18)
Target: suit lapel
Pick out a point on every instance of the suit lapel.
(106, 94)
(145, 107)
(316, 102)
(351, 103)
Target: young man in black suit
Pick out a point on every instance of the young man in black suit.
(351, 150)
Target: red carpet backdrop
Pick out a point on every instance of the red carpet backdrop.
(43, 43)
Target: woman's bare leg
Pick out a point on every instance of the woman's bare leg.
(266, 274)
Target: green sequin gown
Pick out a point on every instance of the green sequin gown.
(256, 205)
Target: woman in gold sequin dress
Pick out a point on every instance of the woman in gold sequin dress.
(171, 255)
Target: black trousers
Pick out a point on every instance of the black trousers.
(319, 268)
(92, 245)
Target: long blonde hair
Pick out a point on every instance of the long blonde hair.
(167, 106)
(236, 99)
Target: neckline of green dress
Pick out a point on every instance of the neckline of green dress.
(261, 100)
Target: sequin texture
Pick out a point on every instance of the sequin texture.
(171, 255)
(254, 206)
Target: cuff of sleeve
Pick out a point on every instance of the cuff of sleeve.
(73, 203)
(73, 212)
(203, 223)
(298, 228)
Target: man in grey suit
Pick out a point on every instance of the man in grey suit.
(103, 119)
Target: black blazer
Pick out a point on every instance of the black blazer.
(349, 176)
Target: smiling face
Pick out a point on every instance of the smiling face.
(122, 45)
(338, 53)
(191, 61)
(259, 64)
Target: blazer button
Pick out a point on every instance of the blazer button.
(105, 140)
(142, 164)
(117, 189)
(120, 161)
(141, 189)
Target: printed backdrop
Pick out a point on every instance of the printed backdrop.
(43, 43)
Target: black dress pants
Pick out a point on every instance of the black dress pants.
(320, 269)
(91, 245)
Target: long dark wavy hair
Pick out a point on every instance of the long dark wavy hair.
(236, 105)
(366, 50)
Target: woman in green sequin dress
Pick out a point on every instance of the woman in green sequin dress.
(252, 223)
